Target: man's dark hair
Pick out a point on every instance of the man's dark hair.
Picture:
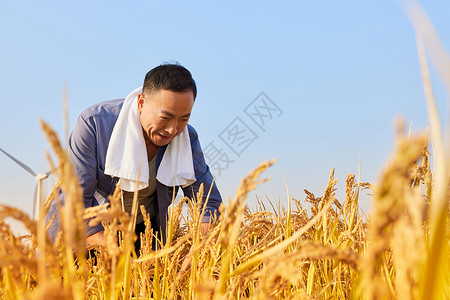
(169, 76)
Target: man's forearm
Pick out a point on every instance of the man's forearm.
(97, 238)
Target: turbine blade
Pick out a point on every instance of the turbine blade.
(27, 168)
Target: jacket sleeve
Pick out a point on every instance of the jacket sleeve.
(203, 175)
(83, 154)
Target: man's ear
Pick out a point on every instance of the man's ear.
(140, 102)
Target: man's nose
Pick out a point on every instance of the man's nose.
(172, 128)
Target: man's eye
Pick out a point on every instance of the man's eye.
(185, 120)
(164, 118)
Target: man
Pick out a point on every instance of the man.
(143, 142)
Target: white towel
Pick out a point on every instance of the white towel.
(127, 153)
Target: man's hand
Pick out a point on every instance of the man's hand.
(97, 238)
(204, 228)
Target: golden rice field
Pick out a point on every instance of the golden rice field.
(328, 251)
(319, 247)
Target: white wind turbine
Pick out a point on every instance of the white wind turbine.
(38, 199)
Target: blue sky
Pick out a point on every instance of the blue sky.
(340, 71)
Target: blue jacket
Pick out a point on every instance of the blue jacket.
(87, 150)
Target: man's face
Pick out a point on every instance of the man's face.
(164, 114)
